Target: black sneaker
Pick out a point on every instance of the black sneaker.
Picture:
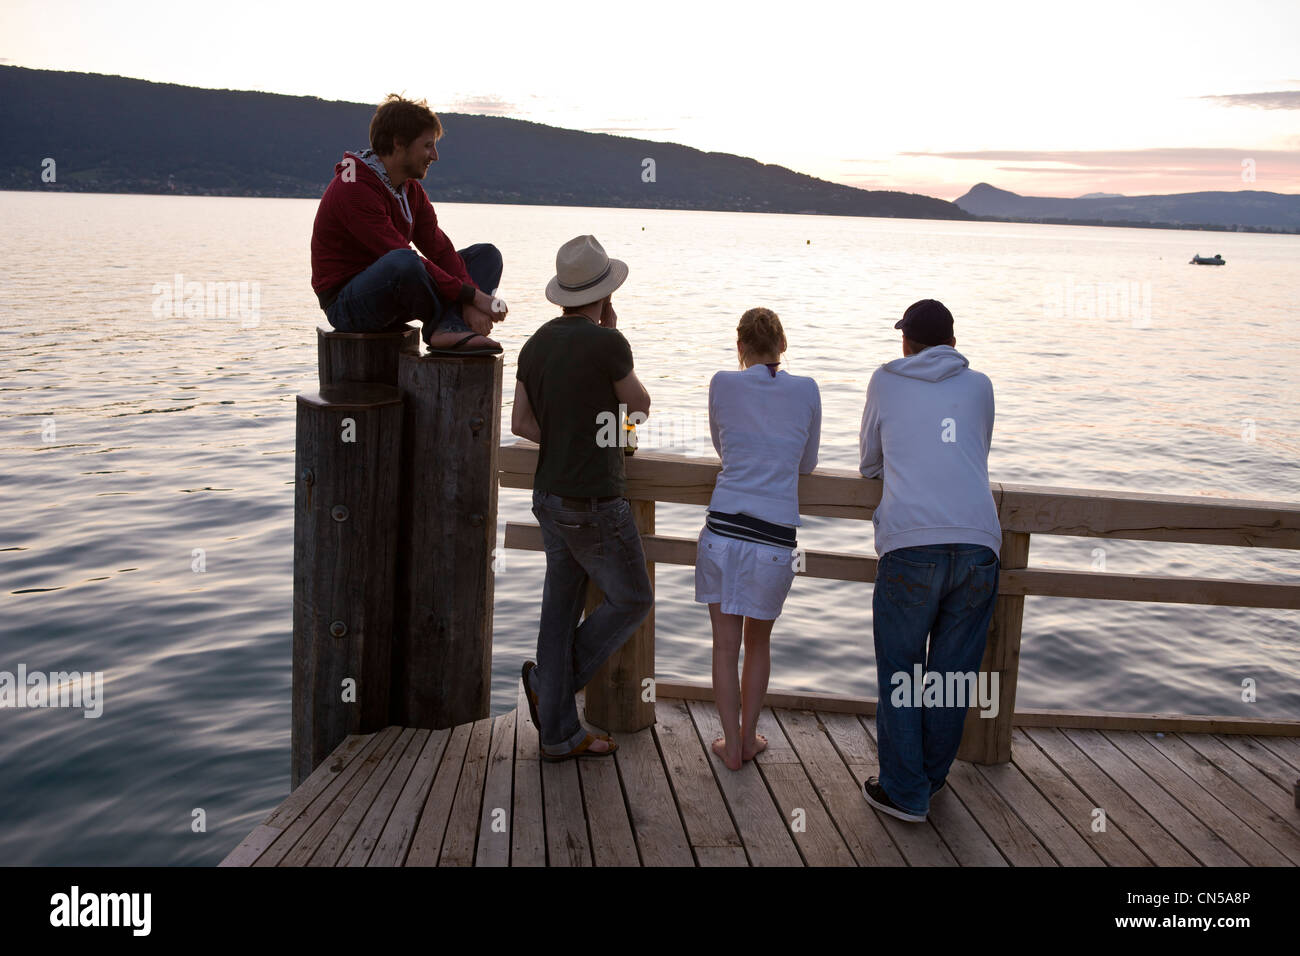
(530, 695)
(877, 797)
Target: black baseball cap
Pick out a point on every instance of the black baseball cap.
(927, 322)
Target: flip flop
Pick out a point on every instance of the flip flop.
(582, 749)
(457, 350)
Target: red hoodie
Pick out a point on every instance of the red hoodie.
(360, 219)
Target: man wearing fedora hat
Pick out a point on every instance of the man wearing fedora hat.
(926, 429)
(575, 372)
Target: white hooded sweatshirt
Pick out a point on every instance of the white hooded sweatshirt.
(927, 428)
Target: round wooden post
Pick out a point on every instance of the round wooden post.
(362, 356)
(988, 739)
(618, 698)
(344, 544)
(442, 640)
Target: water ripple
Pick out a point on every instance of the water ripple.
(165, 560)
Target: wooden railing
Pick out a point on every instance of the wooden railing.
(395, 519)
(616, 699)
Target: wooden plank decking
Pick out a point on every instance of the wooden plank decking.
(478, 795)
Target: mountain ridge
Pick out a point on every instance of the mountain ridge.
(1246, 208)
(119, 134)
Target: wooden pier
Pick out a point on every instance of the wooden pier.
(407, 768)
(477, 795)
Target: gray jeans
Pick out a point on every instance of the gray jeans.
(596, 541)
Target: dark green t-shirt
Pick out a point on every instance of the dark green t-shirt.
(569, 367)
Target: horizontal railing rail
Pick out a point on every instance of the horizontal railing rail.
(1027, 509)
(1103, 585)
(1023, 510)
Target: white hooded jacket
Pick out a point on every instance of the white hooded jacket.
(927, 428)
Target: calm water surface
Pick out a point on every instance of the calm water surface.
(132, 438)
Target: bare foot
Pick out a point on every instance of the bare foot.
(731, 759)
(598, 746)
(447, 340)
(752, 751)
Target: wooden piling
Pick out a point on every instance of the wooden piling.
(363, 356)
(442, 637)
(617, 698)
(988, 739)
(344, 545)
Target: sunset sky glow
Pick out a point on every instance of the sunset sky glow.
(1122, 97)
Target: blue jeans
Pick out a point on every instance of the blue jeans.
(944, 592)
(397, 288)
(597, 541)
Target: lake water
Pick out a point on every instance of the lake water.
(132, 437)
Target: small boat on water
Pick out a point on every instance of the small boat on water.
(1199, 260)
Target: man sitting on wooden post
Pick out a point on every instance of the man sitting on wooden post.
(575, 378)
(927, 427)
(363, 269)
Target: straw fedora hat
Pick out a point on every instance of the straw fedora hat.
(584, 273)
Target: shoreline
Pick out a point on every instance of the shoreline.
(516, 201)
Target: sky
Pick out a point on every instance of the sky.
(1039, 98)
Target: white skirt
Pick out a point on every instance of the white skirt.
(745, 577)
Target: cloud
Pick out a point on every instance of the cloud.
(628, 119)
(622, 125)
(1166, 169)
(1280, 100)
(1164, 159)
(483, 105)
(1115, 170)
(629, 129)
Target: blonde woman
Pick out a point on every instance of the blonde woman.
(766, 425)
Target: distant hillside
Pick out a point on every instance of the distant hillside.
(112, 134)
(1249, 209)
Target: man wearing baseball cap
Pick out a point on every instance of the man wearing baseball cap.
(575, 381)
(926, 429)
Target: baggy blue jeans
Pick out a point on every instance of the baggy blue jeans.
(600, 542)
(396, 288)
(946, 593)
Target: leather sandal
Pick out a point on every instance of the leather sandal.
(582, 749)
